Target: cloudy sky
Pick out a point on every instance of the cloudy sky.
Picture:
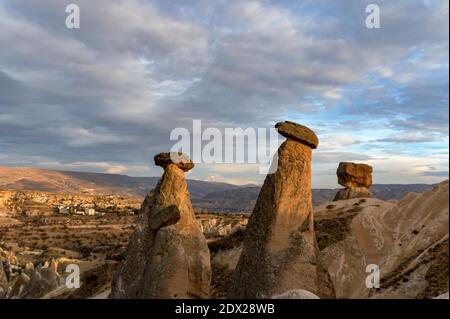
(105, 97)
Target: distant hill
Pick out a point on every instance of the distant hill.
(37, 179)
(212, 196)
(398, 191)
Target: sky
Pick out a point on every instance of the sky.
(105, 97)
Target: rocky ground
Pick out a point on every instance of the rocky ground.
(408, 239)
(95, 243)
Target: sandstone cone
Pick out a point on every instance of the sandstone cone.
(296, 294)
(280, 250)
(167, 256)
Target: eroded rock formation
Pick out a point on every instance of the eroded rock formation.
(25, 281)
(167, 256)
(356, 178)
(406, 239)
(280, 250)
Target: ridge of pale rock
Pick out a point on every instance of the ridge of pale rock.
(406, 239)
(354, 174)
(296, 294)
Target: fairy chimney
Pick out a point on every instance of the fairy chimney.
(167, 256)
(280, 250)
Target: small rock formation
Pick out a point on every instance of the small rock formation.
(30, 283)
(356, 178)
(442, 296)
(296, 294)
(41, 281)
(3, 277)
(29, 268)
(349, 193)
(352, 175)
(280, 251)
(167, 256)
(221, 225)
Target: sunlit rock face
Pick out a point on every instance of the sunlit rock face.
(280, 251)
(167, 256)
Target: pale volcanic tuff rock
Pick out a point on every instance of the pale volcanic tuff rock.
(18, 281)
(407, 239)
(40, 281)
(167, 256)
(356, 178)
(443, 296)
(280, 251)
(221, 225)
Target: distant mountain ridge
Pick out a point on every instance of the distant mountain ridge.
(244, 199)
(38, 179)
(211, 196)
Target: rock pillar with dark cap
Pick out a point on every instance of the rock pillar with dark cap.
(280, 249)
(167, 256)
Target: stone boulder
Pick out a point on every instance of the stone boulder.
(167, 256)
(356, 178)
(298, 132)
(351, 175)
(280, 250)
(181, 160)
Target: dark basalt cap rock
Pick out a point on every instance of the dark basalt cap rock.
(179, 159)
(298, 132)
